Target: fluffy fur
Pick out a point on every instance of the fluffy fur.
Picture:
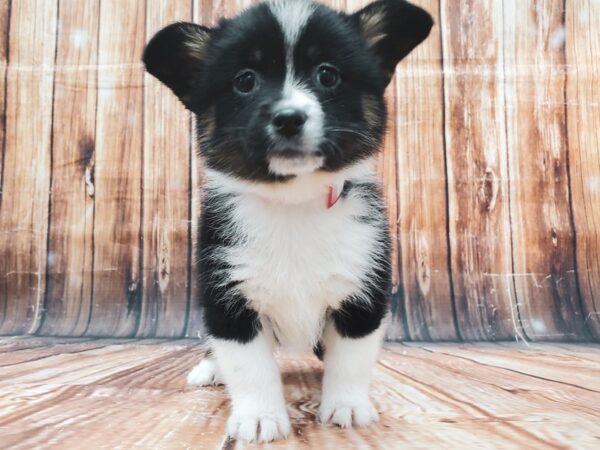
(288, 98)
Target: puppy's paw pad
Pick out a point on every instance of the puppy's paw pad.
(204, 374)
(348, 412)
(258, 427)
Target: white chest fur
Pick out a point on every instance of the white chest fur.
(294, 261)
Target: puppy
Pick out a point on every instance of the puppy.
(294, 246)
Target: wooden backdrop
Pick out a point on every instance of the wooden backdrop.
(491, 170)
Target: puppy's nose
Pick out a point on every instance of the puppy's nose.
(289, 121)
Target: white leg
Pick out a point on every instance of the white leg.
(205, 373)
(258, 411)
(348, 367)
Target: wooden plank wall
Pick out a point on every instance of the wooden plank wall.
(491, 171)
(70, 250)
(26, 161)
(583, 129)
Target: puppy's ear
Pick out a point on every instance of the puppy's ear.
(176, 56)
(392, 29)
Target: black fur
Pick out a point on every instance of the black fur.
(405, 26)
(226, 314)
(355, 318)
(200, 65)
(238, 145)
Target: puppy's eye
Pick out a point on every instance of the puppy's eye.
(328, 76)
(245, 81)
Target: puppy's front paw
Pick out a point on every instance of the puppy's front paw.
(348, 411)
(205, 374)
(258, 426)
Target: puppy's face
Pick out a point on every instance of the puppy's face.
(288, 87)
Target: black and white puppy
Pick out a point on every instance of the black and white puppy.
(294, 246)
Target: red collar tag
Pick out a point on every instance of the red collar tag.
(333, 194)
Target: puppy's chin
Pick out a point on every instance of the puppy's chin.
(295, 164)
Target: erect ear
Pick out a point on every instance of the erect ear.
(392, 29)
(176, 56)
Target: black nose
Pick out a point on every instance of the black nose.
(288, 122)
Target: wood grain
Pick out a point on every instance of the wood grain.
(19, 343)
(543, 253)
(535, 408)
(475, 133)
(70, 238)
(194, 325)
(554, 366)
(166, 179)
(583, 112)
(26, 164)
(117, 289)
(429, 396)
(4, 53)
(419, 123)
(398, 328)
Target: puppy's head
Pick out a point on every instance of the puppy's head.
(288, 87)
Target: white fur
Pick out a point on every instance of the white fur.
(295, 166)
(205, 373)
(295, 258)
(258, 411)
(295, 96)
(293, 17)
(348, 367)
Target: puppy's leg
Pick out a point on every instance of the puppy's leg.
(258, 411)
(245, 358)
(350, 356)
(205, 373)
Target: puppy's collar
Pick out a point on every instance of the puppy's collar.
(335, 192)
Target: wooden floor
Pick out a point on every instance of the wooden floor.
(126, 394)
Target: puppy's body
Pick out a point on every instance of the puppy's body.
(294, 246)
(294, 261)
